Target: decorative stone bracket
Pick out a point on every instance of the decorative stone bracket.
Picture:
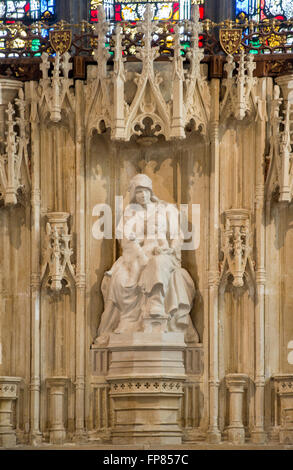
(58, 252)
(237, 245)
(149, 114)
(239, 97)
(54, 91)
(16, 151)
(280, 173)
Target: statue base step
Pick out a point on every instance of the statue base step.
(148, 437)
(146, 378)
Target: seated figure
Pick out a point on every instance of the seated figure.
(147, 282)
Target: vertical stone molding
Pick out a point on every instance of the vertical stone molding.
(237, 244)
(146, 378)
(57, 405)
(8, 394)
(236, 384)
(284, 405)
(214, 434)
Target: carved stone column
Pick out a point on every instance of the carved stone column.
(80, 262)
(35, 434)
(284, 392)
(146, 377)
(214, 435)
(8, 394)
(57, 389)
(258, 434)
(236, 384)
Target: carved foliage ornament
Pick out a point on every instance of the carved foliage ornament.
(239, 98)
(58, 251)
(16, 151)
(237, 245)
(53, 91)
(280, 170)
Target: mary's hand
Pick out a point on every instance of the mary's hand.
(163, 251)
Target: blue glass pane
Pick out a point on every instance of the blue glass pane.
(242, 5)
(262, 9)
(12, 10)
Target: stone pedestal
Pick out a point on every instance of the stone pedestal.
(8, 394)
(284, 392)
(57, 389)
(146, 377)
(236, 384)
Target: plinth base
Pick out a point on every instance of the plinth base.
(36, 439)
(286, 436)
(258, 437)
(8, 439)
(146, 377)
(214, 437)
(57, 437)
(148, 434)
(236, 435)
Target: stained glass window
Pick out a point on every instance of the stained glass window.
(27, 10)
(259, 10)
(122, 10)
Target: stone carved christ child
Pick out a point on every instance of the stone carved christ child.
(147, 284)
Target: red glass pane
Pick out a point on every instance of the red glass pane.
(94, 15)
(117, 9)
(175, 8)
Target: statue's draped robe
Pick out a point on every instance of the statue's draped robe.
(138, 272)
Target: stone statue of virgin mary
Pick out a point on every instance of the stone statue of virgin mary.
(147, 283)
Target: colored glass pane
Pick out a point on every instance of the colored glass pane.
(264, 9)
(27, 10)
(134, 11)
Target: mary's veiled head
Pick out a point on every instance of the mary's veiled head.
(141, 182)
